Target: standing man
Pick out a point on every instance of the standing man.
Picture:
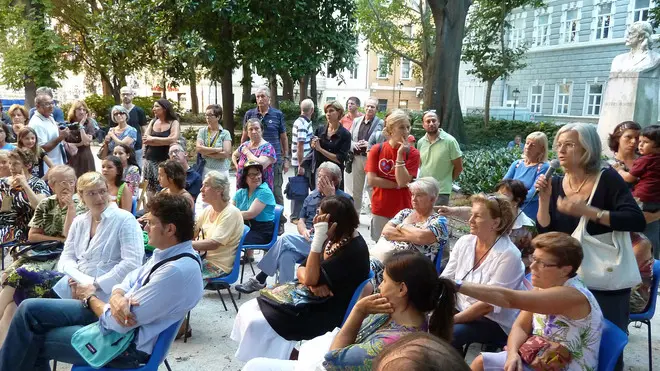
(274, 132)
(352, 106)
(136, 118)
(49, 134)
(58, 114)
(441, 156)
(361, 130)
(301, 137)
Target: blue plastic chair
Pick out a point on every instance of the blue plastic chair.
(611, 346)
(224, 283)
(134, 206)
(646, 316)
(276, 220)
(158, 355)
(356, 296)
(438, 260)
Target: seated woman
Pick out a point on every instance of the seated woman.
(51, 221)
(485, 256)
(20, 194)
(337, 263)
(419, 351)
(4, 163)
(131, 174)
(420, 228)
(219, 228)
(256, 202)
(410, 290)
(639, 297)
(172, 178)
(560, 309)
(523, 228)
(119, 192)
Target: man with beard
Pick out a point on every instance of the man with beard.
(136, 119)
(441, 156)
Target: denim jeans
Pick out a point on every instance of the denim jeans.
(283, 256)
(40, 331)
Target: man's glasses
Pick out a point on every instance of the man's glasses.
(175, 152)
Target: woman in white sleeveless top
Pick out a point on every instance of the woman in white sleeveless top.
(560, 308)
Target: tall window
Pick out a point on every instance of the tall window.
(562, 99)
(594, 99)
(405, 69)
(383, 67)
(604, 20)
(535, 98)
(382, 105)
(517, 37)
(641, 11)
(570, 26)
(542, 30)
(354, 72)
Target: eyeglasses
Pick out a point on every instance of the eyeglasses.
(209, 115)
(67, 182)
(175, 152)
(47, 104)
(493, 198)
(567, 145)
(533, 260)
(254, 175)
(98, 192)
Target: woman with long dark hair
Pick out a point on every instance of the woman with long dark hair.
(129, 162)
(162, 131)
(113, 171)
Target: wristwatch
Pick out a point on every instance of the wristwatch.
(85, 301)
(458, 284)
(600, 216)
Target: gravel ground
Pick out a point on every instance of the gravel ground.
(210, 347)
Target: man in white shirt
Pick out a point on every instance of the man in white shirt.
(50, 137)
(301, 138)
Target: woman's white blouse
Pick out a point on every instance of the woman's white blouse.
(501, 267)
(116, 249)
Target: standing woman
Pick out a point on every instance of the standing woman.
(391, 165)
(131, 169)
(332, 141)
(4, 136)
(83, 161)
(528, 169)
(623, 142)
(19, 117)
(161, 132)
(256, 149)
(563, 201)
(120, 193)
(120, 134)
(214, 142)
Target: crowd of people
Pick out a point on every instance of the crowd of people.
(84, 254)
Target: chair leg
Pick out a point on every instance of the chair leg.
(167, 364)
(252, 268)
(648, 324)
(223, 300)
(231, 296)
(242, 273)
(54, 365)
(185, 330)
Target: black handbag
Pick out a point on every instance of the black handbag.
(348, 167)
(37, 251)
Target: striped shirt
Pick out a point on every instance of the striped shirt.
(301, 133)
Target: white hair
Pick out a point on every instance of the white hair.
(307, 105)
(589, 140)
(219, 182)
(426, 184)
(262, 89)
(333, 169)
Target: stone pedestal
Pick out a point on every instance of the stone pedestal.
(629, 96)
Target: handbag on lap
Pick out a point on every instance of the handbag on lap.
(290, 297)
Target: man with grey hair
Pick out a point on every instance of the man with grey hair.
(274, 132)
(58, 114)
(136, 118)
(49, 134)
(301, 138)
(361, 131)
(291, 248)
(193, 178)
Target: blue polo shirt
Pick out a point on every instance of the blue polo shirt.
(273, 122)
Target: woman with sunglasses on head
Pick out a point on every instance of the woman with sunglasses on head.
(560, 309)
(120, 134)
(256, 202)
(485, 256)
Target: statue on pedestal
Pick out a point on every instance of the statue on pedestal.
(640, 57)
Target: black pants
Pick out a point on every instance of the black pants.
(260, 232)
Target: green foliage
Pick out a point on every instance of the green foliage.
(654, 16)
(190, 133)
(190, 118)
(65, 108)
(146, 103)
(240, 112)
(500, 132)
(484, 168)
(101, 106)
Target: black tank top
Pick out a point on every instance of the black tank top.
(158, 153)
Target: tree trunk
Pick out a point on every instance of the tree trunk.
(228, 102)
(449, 18)
(163, 84)
(107, 86)
(246, 83)
(30, 92)
(312, 90)
(272, 84)
(303, 82)
(287, 86)
(193, 91)
(489, 90)
(427, 85)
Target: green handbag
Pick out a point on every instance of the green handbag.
(97, 348)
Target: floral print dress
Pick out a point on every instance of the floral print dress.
(581, 336)
(376, 332)
(132, 178)
(265, 149)
(15, 209)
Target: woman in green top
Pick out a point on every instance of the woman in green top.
(120, 193)
(214, 142)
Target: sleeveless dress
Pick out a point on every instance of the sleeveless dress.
(155, 155)
(83, 161)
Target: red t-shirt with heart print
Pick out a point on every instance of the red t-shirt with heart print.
(388, 202)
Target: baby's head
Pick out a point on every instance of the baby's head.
(649, 140)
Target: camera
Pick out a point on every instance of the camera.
(67, 125)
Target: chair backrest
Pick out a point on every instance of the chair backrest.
(233, 276)
(438, 260)
(134, 206)
(650, 308)
(356, 295)
(276, 220)
(611, 346)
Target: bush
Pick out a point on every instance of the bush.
(190, 118)
(147, 104)
(484, 168)
(240, 112)
(65, 108)
(100, 105)
(500, 132)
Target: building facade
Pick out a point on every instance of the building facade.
(571, 48)
(394, 82)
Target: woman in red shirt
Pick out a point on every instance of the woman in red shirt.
(390, 167)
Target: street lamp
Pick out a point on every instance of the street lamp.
(515, 93)
(400, 87)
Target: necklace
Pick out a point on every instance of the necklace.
(580, 187)
(336, 246)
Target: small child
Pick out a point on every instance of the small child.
(646, 170)
(27, 138)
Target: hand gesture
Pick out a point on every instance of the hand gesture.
(63, 134)
(314, 143)
(513, 362)
(373, 304)
(571, 206)
(544, 186)
(326, 186)
(444, 210)
(363, 143)
(306, 233)
(119, 308)
(80, 291)
(107, 138)
(404, 147)
(19, 180)
(301, 170)
(324, 218)
(66, 197)
(322, 291)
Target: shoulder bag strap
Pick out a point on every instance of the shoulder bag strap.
(593, 191)
(176, 257)
(582, 225)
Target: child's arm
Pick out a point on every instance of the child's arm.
(48, 161)
(627, 176)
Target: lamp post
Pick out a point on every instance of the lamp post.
(400, 87)
(515, 101)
